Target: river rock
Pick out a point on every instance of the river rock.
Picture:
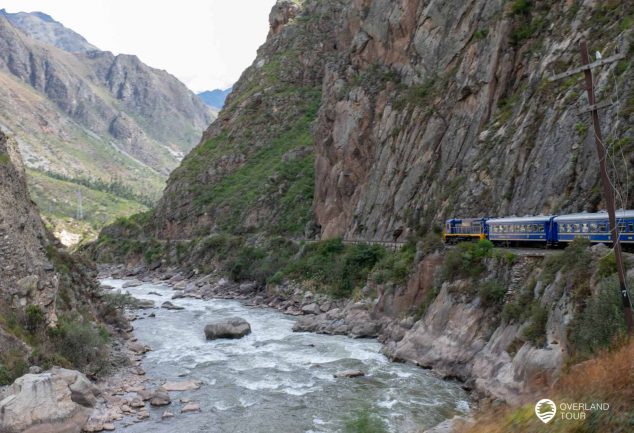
(349, 373)
(133, 283)
(190, 407)
(137, 347)
(160, 398)
(311, 308)
(169, 306)
(167, 414)
(144, 304)
(234, 327)
(181, 386)
(57, 401)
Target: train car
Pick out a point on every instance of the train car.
(595, 227)
(464, 229)
(524, 230)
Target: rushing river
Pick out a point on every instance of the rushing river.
(275, 380)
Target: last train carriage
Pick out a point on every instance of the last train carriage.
(548, 230)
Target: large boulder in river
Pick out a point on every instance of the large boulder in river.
(234, 327)
(57, 401)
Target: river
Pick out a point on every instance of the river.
(275, 380)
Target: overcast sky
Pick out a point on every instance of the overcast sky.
(205, 43)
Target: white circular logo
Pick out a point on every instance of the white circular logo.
(545, 410)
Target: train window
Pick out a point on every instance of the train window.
(584, 228)
(602, 228)
(621, 227)
(575, 228)
(541, 228)
(593, 227)
(631, 228)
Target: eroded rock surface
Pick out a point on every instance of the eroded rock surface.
(58, 401)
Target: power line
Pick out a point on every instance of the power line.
(609, 189)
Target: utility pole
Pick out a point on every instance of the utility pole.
(80, 209)
(608, 188)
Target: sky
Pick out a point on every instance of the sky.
(205, 43)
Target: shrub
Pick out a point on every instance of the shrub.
(575, 261)
(466, 260)
(535, 332)
(600, 322)
(491, 293)
(82, 343)
(607, 265)
(12, 365)
(35, 318)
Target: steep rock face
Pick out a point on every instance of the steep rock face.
(427, 109)
(435, 109)
(26, 273)
(45, 29)
(93, 113)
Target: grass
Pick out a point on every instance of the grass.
(57, 200)
(268, 177)
(607, 378)
(76, 342)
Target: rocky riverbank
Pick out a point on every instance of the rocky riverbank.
(455, 328)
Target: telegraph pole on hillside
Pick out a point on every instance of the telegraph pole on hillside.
(608, 188)
(80, 208)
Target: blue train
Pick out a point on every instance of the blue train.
(551, 230)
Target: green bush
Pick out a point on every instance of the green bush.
(35, 318)
(575, 262)
(600, 322)
(12, 365)
(466, 260)
(82, 343)
(518, 309)
(535, 332)
(607, 265)
(491, 293)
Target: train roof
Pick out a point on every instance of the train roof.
(587, 216)
(529, 219)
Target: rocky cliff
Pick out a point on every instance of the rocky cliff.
(27, 274)
(412, 111)
(49, 300)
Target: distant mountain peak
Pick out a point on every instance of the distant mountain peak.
(44, 28)
(215, 98)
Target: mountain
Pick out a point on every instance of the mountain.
(215, 98)
(93, 115)
(45, 29)
(352, 124)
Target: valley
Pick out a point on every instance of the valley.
(344, 246)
